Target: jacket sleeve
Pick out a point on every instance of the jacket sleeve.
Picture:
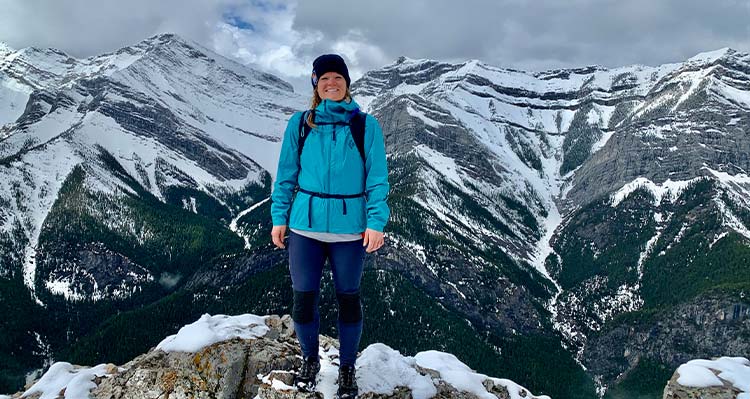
(376, 181)
(286, 173)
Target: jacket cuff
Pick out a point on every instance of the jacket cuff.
(376, 226)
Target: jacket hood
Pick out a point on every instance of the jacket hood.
(335, 111)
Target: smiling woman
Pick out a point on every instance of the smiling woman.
(332, 193)
(332, 86)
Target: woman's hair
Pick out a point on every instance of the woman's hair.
(316, 100)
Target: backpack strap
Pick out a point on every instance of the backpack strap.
(304, 130)
(356, 126)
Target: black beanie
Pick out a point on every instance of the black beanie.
(329, 63)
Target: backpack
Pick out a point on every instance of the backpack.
(356, 126)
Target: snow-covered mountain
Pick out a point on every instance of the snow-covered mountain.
(586, 179)
(119, 176)
(579, 206)
(169, 112)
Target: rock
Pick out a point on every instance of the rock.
(227, 369)
(267, 392)
(703, 327)
(261, 367)
(673, 390)
(398, 393)
(499, 390)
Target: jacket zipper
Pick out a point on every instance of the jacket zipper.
(330, 168)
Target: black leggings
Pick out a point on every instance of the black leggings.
(307, 257)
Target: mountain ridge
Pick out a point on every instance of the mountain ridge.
(491, 167)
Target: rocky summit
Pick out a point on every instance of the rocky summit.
(263, 367)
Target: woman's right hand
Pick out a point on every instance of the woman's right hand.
(277, 236)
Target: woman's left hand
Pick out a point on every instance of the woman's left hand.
(373, 240)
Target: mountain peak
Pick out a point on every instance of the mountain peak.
(5, 48)
(709, 57)
(169, 38)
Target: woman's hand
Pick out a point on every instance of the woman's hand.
(277, 236)
(373, 240)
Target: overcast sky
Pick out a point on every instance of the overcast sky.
(283, 37)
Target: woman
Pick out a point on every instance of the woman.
(332, 195)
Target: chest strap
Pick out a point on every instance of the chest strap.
(312, 194)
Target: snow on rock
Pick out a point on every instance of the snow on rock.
(697, 376)
(382, 369)
(445, 165)
(76, 381)
(209, 330)
(708, 57)
(669, 189)
(741, 97)
(725, 372)
(208, 350)
(463, 378)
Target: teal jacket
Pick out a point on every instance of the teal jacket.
(330, 163)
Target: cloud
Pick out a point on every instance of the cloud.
(537, 34)
(284, 37)
(83, 28)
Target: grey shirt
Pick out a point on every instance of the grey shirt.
(328, 237)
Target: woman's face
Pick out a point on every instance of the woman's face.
(331, 86)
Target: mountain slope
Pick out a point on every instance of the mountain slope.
(583, 176)
(120, 176)
(561, 207)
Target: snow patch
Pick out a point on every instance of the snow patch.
(463, 378)
(382, 369)
(77, 382)
(233, 224)
(443, 164)
(702, 373)
(669, 189)
(741, 97)
(708, 56)
(729, 219)
(209, 330)
(63, 287)
(424, 118)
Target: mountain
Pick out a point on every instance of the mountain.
(119, 176)
(614, 200)
(592, 219)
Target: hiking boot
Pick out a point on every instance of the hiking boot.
(308, 372)
(347, 383)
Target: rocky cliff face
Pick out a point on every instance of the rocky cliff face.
(699, 328)
(622, 188)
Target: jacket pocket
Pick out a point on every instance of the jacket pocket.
(298, 215)
(354, 221)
